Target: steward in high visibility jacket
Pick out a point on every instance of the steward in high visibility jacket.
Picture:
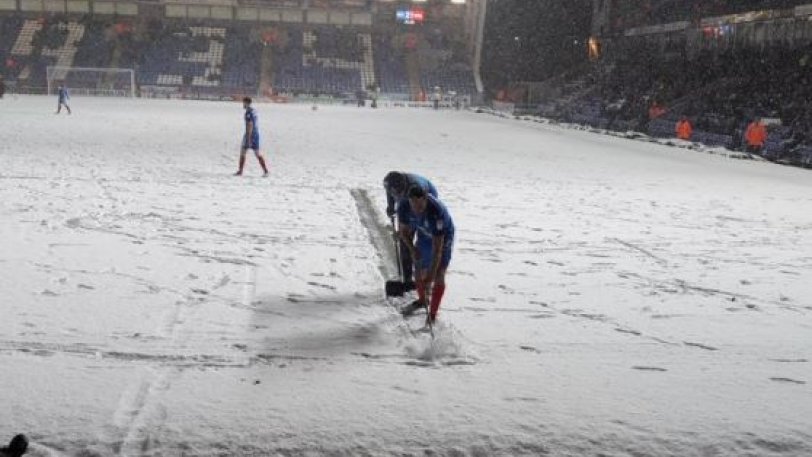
(684, 129)
(756, 136)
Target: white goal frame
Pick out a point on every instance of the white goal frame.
(55, 73)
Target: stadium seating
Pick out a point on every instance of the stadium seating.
(315, 59)
(9, 29)
(324, 60)
(390, 66)
(631, 14)
(449, 78)
(708, 87)
(28, 46)
(208, 59)
(440, 66)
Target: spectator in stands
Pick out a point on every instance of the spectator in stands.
(613, 110)
(435, 97)
(755, 135)
(361, 97)
(376, 92)
(737, 134)
(17, 447)
(684, 129)
(655, 111)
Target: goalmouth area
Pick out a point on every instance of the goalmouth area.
(106, 82)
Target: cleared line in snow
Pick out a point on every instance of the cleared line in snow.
(378, 233)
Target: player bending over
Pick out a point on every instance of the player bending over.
(435, 240)
(251, 138)
(396, 183)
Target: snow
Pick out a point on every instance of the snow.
(606, 296)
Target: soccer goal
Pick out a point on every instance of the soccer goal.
(106, 82)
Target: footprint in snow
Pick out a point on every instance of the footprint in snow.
(323, 286)
(787, 380)
(700, 346)
(643, 368)
(223, 281)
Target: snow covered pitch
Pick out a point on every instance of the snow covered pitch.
(606, 297)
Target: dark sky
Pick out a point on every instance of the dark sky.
(531, 40)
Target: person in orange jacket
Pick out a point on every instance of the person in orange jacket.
(755, 135)
(684, 129)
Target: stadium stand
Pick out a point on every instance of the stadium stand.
(324, 59)
(441, 64)
(390, 65)
(344, 49)
(634, 13)
(720, 77)
(205, 58)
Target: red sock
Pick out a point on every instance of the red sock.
(421, 291)
(436, 296)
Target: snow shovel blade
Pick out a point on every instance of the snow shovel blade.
(395, 288)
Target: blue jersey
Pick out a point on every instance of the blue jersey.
(63, 94)
(435, 221)
(402, 206)
(422, 182)
(251, 116)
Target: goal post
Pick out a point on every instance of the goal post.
(103, 82)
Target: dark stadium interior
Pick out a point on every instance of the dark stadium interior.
(603, 63)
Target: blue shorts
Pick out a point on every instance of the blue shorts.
(253, 144)
(424, 247)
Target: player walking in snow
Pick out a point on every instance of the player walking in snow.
(396, 183)
(251, 138)
(63, 99)
(435, 240)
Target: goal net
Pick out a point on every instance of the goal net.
(107, 82)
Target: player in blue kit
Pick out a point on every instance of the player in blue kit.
(396, 183)
(250, 139)
(435, 241)
(63, 99)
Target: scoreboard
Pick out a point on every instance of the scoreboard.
(410, 15)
